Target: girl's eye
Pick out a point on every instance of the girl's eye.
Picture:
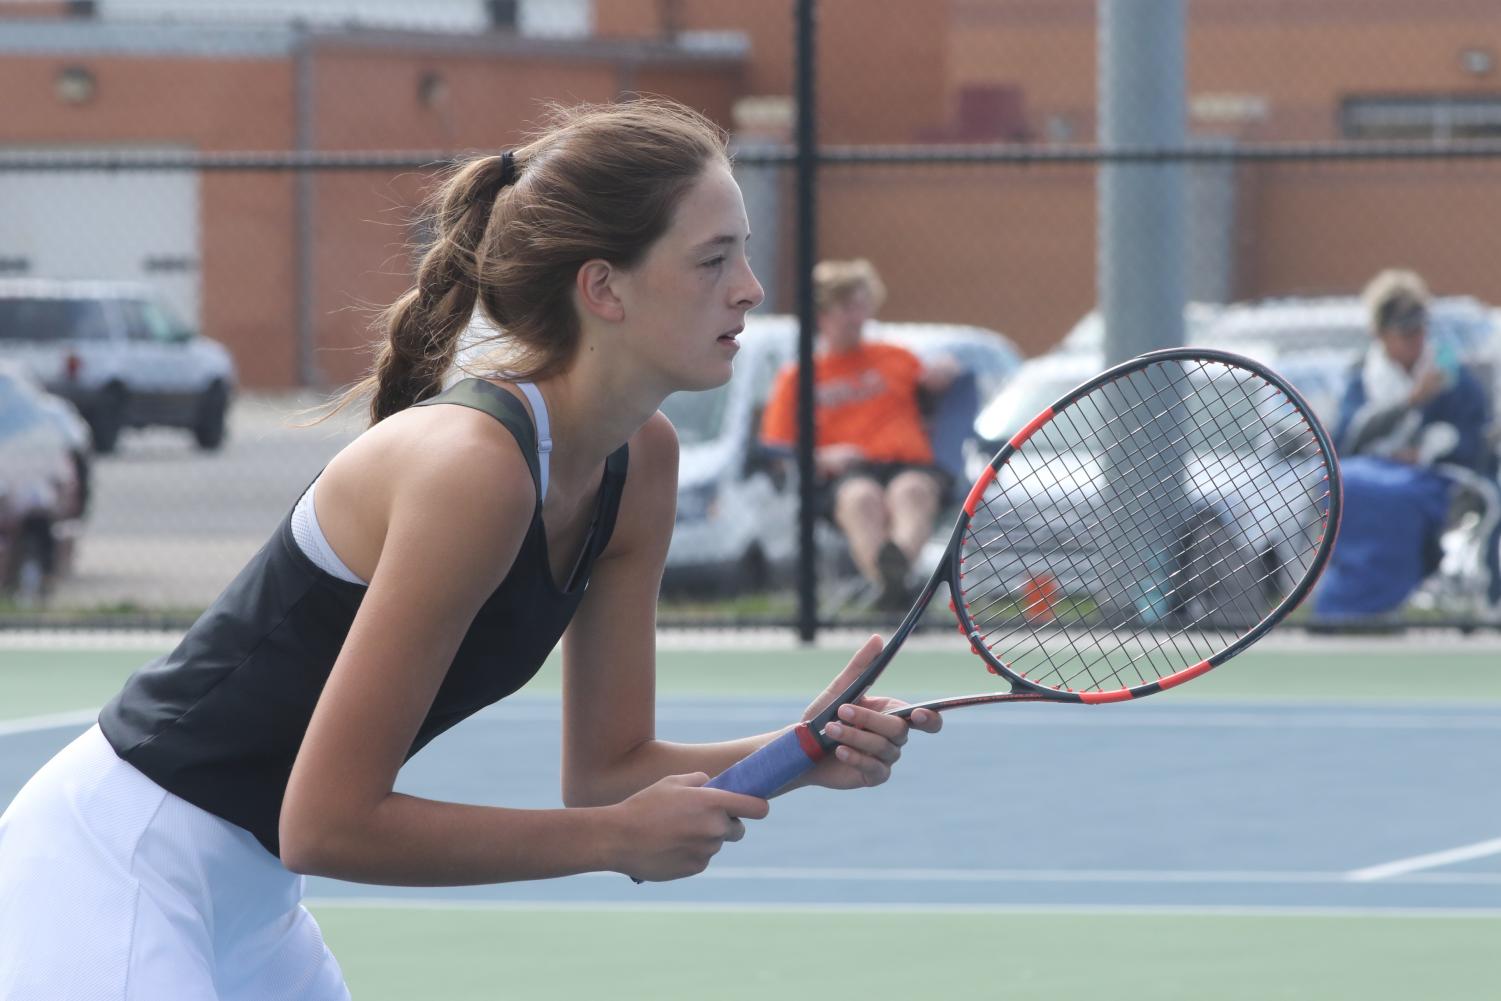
(714, 263)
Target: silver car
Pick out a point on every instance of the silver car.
(736, 527)
(1211, 553)
(41, 504)
(116, 352)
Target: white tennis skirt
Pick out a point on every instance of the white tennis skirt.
(113, 889)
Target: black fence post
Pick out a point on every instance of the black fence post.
(806, 256)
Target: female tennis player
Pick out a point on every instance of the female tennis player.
(427, 572)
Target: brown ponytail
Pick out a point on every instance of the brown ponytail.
(423, 326)
(600, 181)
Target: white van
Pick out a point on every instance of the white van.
(737, 504)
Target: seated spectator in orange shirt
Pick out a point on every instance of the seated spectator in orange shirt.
(871, 450)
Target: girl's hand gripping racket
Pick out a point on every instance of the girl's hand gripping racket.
(1150, 525)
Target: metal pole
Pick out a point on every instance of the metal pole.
(302, 208)
(1141, 222)
(805, 257)
(1140, 286)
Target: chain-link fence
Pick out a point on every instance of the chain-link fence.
(257, 174)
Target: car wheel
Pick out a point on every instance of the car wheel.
(84, 468)
(31, 573)
(754, 574)
(1274, 583)
(106, 418)
(1220, 583)
(209, 426)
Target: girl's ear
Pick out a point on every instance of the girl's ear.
(595, 284)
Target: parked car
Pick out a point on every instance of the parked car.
(1087, 336)
(1322, 337)
(1332, 325)
(66, 418)
(1337, 326)
(737, 504)
(1216, 493)
(117, 353)
(41, 503)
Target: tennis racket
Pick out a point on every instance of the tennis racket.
(1148, 526)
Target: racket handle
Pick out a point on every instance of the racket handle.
(763, 772)
(773, 766)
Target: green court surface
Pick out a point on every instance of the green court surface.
(667, 955)
(428, 948)
(38, 681)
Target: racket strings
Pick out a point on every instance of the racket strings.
(1222, 560)
(1146, 526)
(1133, 561)
(1228, 547)
(1213, 564)
(1084, 652)
(1085, 442)
(1140, 494)
(1294, 425)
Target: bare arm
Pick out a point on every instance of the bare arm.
(610, 747)
(453, 520)
(940, 374)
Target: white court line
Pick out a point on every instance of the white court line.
(1101, 910)
(51, 721)
(89, 639)
(893, 874)
(1401, 867)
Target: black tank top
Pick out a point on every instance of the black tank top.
(218, 721)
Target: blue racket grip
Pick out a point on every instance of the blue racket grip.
(773, 766)
(763, 772)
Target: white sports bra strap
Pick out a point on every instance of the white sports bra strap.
(544, 431)
(312, 541)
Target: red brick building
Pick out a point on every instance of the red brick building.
(1010, 248)
(235, 89)
(1257, 70)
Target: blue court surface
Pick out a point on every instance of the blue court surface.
(1274, 829)
(1048, 805)
(1237, 805)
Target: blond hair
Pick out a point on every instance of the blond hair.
(1394, 296)
(837, 282)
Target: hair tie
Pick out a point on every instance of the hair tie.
(489, 196)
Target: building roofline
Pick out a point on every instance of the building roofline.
(706, 48)
(83, 38)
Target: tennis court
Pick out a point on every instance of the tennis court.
(1317, 820)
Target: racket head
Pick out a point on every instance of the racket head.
(1144, 529)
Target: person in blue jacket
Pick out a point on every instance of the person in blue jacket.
(1411, 401)
(1408, 399)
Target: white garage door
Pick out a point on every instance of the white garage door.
(129, 225)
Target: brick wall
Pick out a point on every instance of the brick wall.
(880, 79)
(1012, 249)
(367, 97)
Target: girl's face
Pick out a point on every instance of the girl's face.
(687, 299)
